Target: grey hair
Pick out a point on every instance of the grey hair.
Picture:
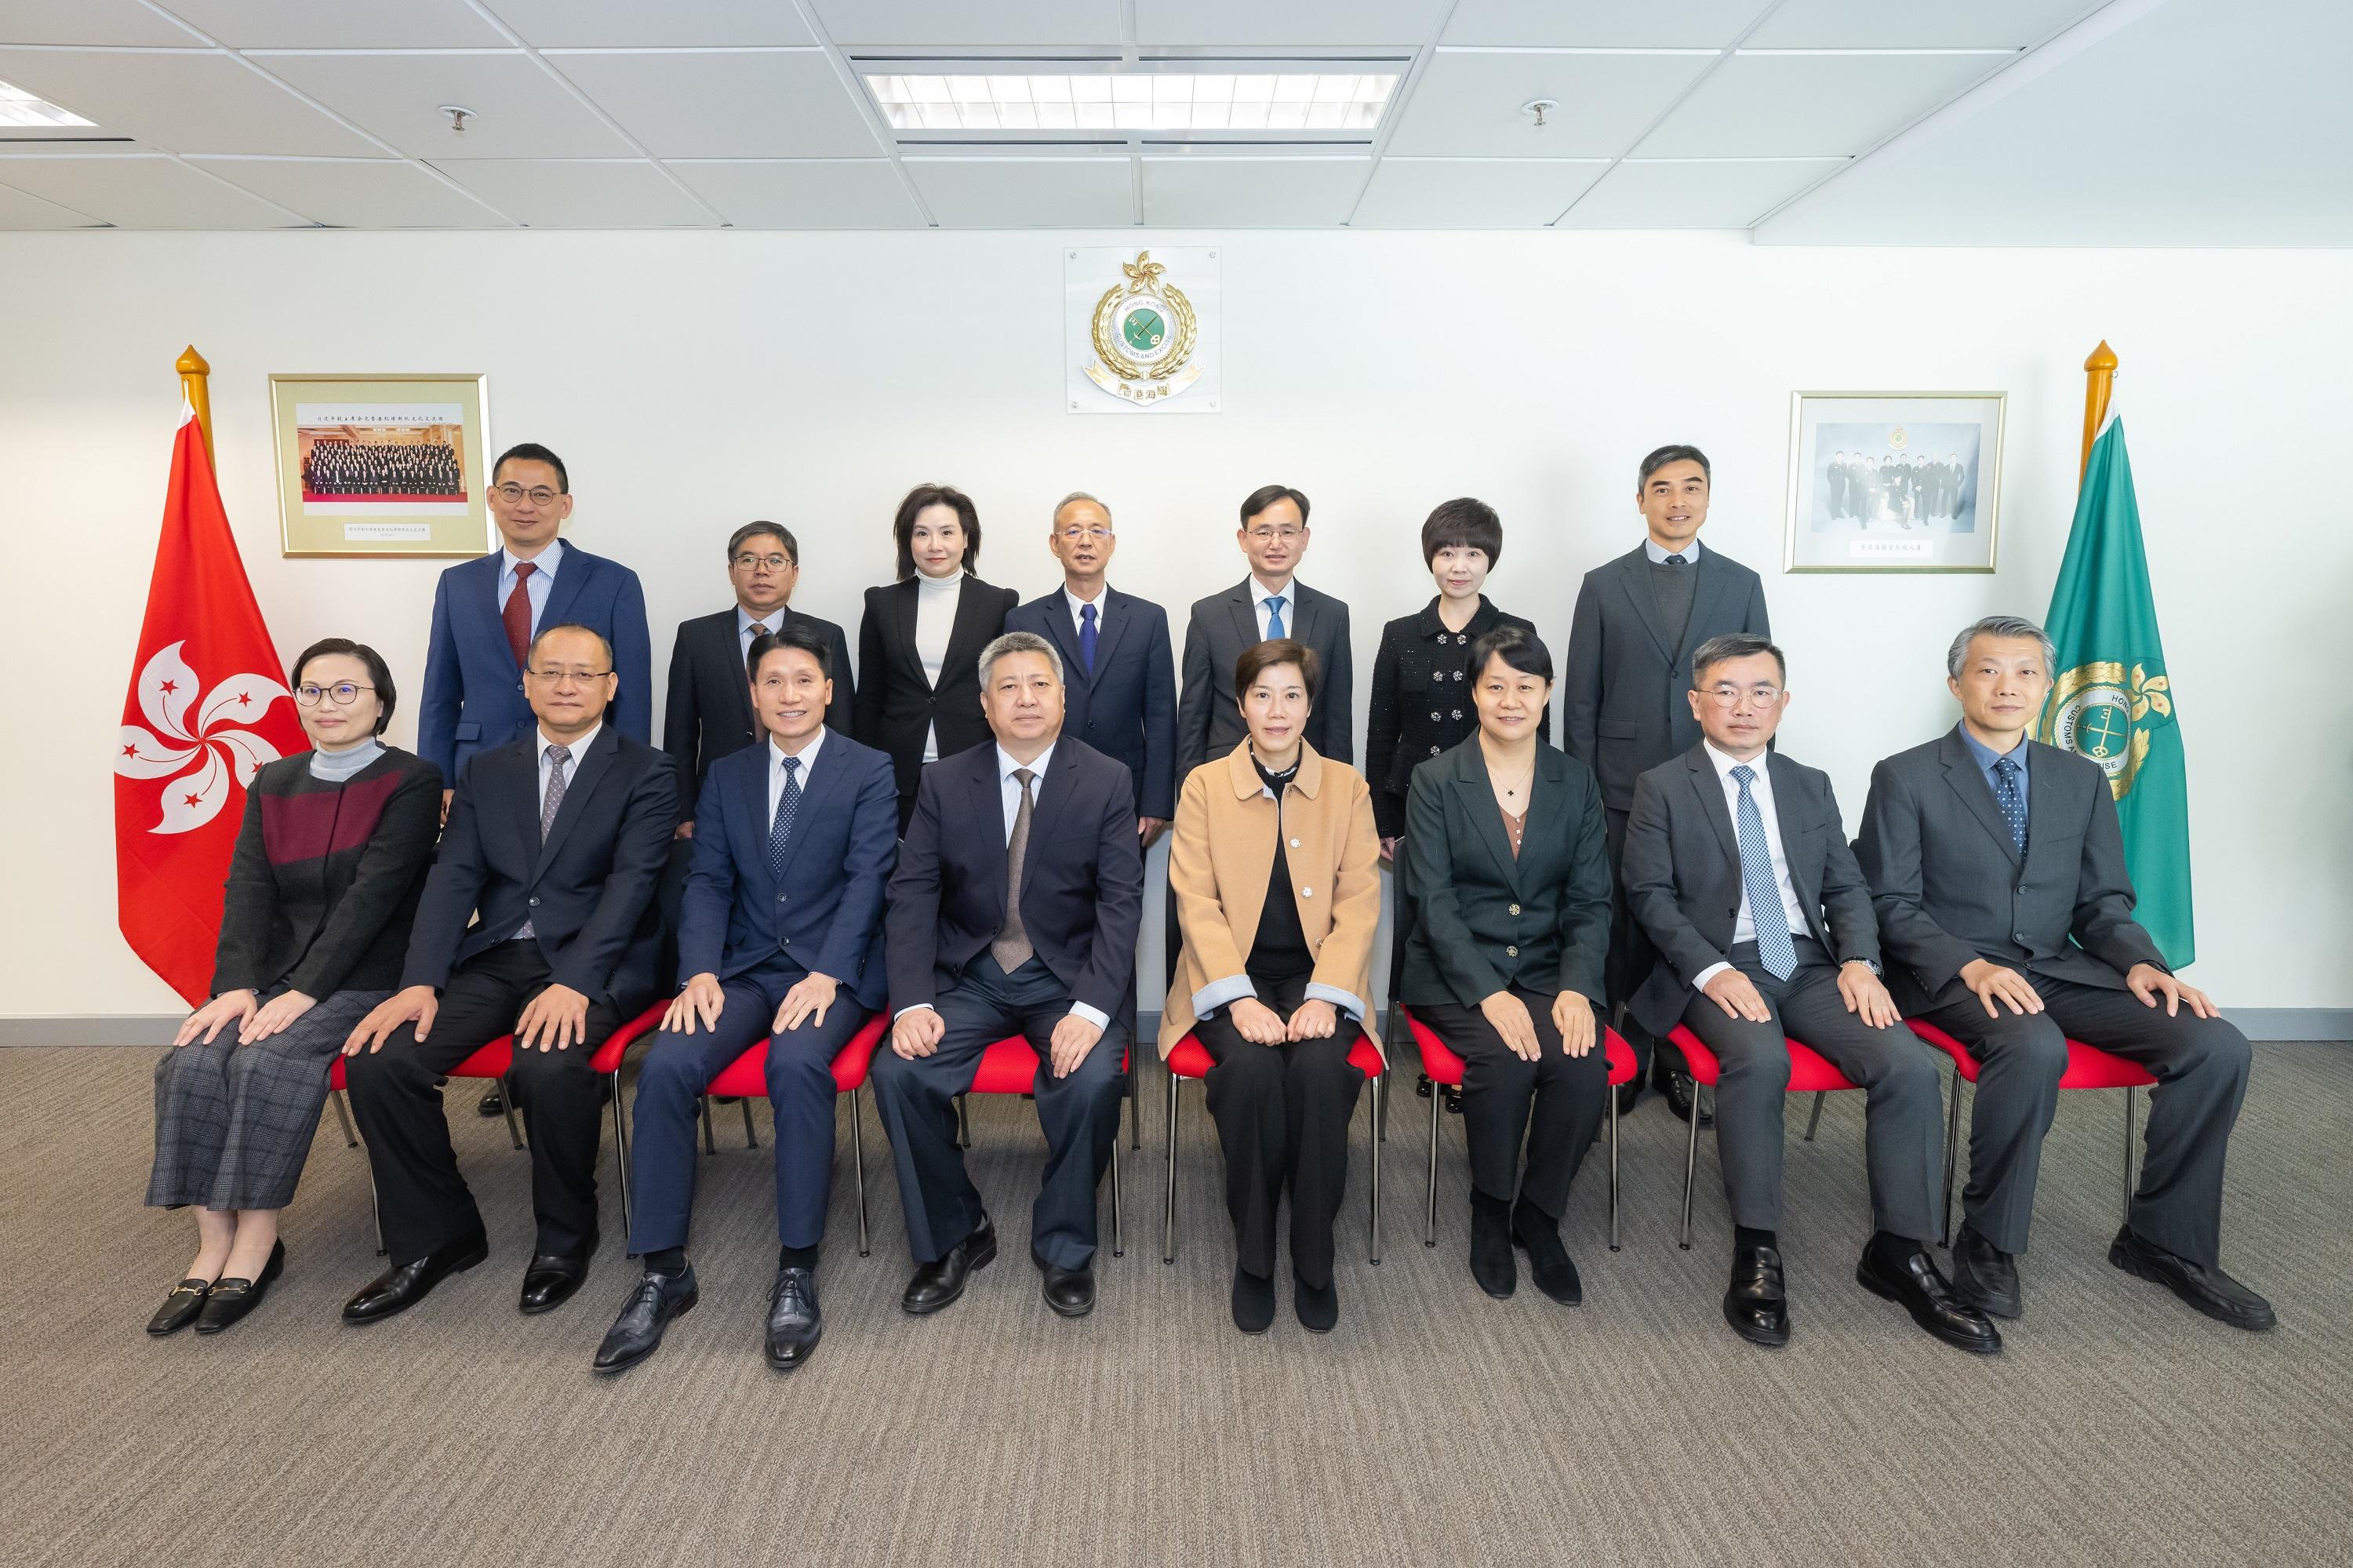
(2000, 626)
(1077, 495)
(1017, 642)
(1735, 645)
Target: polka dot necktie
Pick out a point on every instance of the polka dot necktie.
(788, 806)
(2012, 801)
(1674, 560)
(1273, 617)
(1775, 950)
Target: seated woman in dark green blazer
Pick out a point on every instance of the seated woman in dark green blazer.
(1507, 866)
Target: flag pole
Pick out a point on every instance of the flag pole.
(194, 387)
(2099, 386)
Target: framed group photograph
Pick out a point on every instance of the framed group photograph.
(1894, 482)
(382, 465)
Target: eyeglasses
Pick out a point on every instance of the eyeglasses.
(515, 494)
(560, 677)
(774, 561)
(1764, 695)
(1269, 535)
(1075, 534)
(343, 695)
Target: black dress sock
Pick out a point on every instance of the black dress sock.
(1748, 1235)
(670, 1261)
(796, 1257)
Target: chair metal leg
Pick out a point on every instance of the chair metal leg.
(376, 1213)
(506, 1104)
(1430, 1225)
(344, 1114)
(2131, 1093)
(1815, 1121)
(1952, 1151)
(1134, 1104)
(1373, 1193)
(858, 1163)
(751, 1139)
(709, 1144)
(621, 1146)
(1691, 1165)
(1168, 1203)
(963, 1124)
(1118, 1239)
(1613, 1166)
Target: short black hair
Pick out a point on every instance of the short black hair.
(379, 673)
(902, 526)
(1465, 524)
(797, 634)
(1266, 495)
(1665, 455)
(547, 632)
(531, 451)
(1260, 657)
(1735, 645)
(753, 530)
(1519, 648)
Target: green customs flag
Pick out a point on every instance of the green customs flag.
(2111, 702)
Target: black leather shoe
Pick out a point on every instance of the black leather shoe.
(942, 1281)
(795, 1324)
(551, 1277)
(180, 1307)
(491, 1105)
(1985, 1277)
(1921, 1290)
(398, 1288)
(1538, 1234)
(1756, 1303)
(232, 1299)
(2209, 1290)
(1253, 1301)
(1069, 1291)
(637, 1333)
(1318, 1309)
(1490, 1246)
(1677, 1089)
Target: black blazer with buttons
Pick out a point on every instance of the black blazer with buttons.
(710, 709)
(1484, 921)
(1422, 701)
(896, 706)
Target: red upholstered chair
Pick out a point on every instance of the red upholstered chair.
(747, 1076)
(1811, 1073)
(2088, 1067)
(1189, 1058)
(1445, 1071)
(1010, 1068)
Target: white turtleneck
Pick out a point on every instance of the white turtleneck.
(935, 612)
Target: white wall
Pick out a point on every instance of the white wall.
(694, 381)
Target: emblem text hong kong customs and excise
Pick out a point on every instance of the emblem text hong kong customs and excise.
(1144, 334)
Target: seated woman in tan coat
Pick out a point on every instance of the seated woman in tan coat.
(1274, 867)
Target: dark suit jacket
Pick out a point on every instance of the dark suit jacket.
(1210, 721)
(1422, 669)
(1951, 889)
(1081, 882)
(1683, 874)
(710, 710)
(1484, 920)
(896, 706)
(588, 891)
(1622, 707)
(825, 915)
(473, 696)
(1126, 708)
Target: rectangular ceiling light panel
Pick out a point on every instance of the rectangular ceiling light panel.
(18, 107)
(1219, 96)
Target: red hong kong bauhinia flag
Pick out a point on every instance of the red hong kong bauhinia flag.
(205, 710)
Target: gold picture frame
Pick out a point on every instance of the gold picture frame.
(1894, 482)
(382, 465)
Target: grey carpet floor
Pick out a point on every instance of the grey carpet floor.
(1435, 1426)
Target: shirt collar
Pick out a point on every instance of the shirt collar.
(1260, 593)
(1102, 601)
(546, 563)
(1987, 756)
(580, 747)
(1690, 552)
(774, 620)
(1481, 618)
(1725, 762)
(1006, 764)
(807, 753)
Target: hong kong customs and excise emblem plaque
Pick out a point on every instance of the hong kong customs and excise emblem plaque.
(1147, 339)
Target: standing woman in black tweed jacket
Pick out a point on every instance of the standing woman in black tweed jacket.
(321, 889)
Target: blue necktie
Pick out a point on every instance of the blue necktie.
(1775, 950)
(1087, 637)
(788, 806)
(1273, 617)
(2006, 795)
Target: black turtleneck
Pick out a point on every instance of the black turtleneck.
(1279, 949)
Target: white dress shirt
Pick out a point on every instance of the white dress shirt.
(1288, 594)
(935, 611)
(1760, 789)
(1102, 602)
(807, 755)
(541, 583)
(1659, 553)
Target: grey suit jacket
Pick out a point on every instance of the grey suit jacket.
(1950, 888)
(1622, 707)
(1209, 722)
(1683, 874)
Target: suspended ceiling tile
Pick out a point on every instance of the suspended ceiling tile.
(20, 210)
(141, 192)
(672, 23)
(1473, 192)
(204, 101)
(1603, 23)
(950, 23)
(1467, 102)
(120, 22)
(1254, 191)
(310, 24)
(1067, 191)
(357, 193)
(1811, 105)
(1730, 192)
(1876, 25)
(599, 193)
(521, 109)
(1308, 23)
(720, 103)
(766, 193)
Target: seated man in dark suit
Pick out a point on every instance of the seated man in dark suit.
(1997, 864)
(538, 918)
(780, 937)
(1737, 866)
(709, 714)
(1014, 910)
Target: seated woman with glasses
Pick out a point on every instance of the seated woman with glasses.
(321, 889)
(1276, 875)
(1507, 866)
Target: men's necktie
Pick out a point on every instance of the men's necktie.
(1674, 560)
(2012, 801)
(1274, 616)
(517, 612)
(788, 806)
(1087, 637)
(1012, 950)
(1775, 950)
(759, 628)
(557, 756)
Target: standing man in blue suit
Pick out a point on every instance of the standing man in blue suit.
(780, 935)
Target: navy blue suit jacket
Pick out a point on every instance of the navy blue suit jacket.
(825, 915)
(1082, 883)
(473, 689)
(1126, 707)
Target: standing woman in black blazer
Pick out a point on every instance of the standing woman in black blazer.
(323, 886)
(1508, 867)
(919, 646)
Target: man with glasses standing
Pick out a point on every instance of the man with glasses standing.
(709, 714)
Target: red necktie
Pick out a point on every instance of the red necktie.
(517, 614)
